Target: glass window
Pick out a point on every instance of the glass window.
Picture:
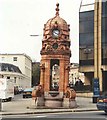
(88, 15)
(14, 79)
(8, 77)
(104, 37)
(104, 8)
(14, 58)
(86, 26)
(104, 23)
(86, 39)
(3, 58)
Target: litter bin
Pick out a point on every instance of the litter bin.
(96, 90)
(95, 99)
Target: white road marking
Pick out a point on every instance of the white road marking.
(40, 116)
(0, 117)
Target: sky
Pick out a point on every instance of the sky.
(21, 18)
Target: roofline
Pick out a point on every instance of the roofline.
(86, 11)
(17, 54)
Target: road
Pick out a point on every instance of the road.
(96, 115)
(19, 104)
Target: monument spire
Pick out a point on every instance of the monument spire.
(57, 9)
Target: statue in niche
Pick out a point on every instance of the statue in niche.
(70, 93)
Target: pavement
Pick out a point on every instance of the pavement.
(28, 107)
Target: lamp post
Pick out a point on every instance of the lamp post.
(0, 101)
(0, 104)
(37, 81)
(36, 35)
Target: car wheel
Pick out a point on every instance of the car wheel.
(106, 111)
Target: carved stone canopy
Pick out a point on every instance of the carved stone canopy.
(56, 23)
(56, 39)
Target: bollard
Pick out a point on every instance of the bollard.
(0, 104)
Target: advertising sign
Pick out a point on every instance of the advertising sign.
(96, 89)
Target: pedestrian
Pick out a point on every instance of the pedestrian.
(34, 94)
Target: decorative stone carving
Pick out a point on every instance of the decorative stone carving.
(42, 66)
(70, 93)
(48, 47)
(67, 67)
(69, 99)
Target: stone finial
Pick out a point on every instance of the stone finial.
(57, 9)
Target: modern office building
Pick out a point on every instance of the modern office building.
(93, 42)
(23, 62)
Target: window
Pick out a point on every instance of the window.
(86, 39)
(86, 26)
(14, 58)
(8, 77)
(3, 58)
(14, 79)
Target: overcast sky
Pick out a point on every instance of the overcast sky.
(21, 18)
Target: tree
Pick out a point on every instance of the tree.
(35, 73)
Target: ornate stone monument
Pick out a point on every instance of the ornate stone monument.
(55, 61)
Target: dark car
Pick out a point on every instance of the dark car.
(102, 102)
(27, 93)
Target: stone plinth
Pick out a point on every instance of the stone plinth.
(53, 99)
(69, 103)
(53, 102)
(40, 101)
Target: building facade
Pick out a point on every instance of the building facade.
(23, 62)
(74, 74)
(9, 71)
(93, 43)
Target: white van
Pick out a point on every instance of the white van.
(6, 89)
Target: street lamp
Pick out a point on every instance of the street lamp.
(35, 35)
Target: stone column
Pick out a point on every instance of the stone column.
(62, 77)
(99, 45)
(47, 76)
(42, 67)
(66, 81)
(97, 42)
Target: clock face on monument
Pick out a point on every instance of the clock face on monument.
(55, 33)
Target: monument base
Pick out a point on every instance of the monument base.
(53, 102)
(39, 101)
(69, 103)
(53, 99)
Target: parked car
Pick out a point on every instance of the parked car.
(16, 91)
(102, 102)
(20, 89)
(27, 93)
